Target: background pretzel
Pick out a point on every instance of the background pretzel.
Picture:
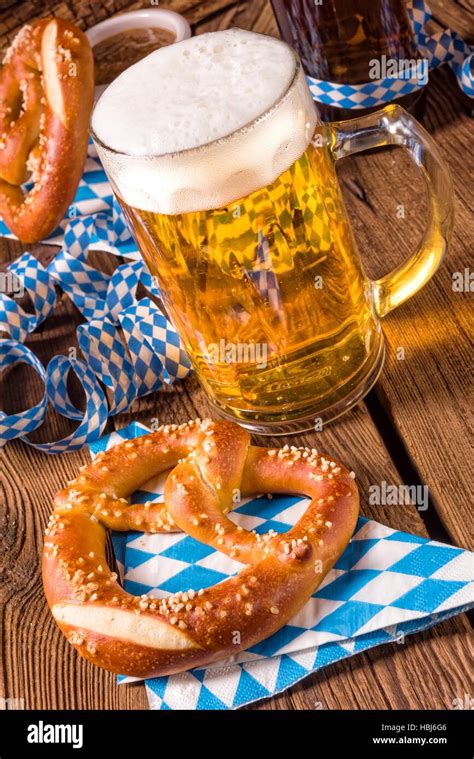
(46, 96)
(215, 462)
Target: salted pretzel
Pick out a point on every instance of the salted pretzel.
(214, 466)
(46, 97)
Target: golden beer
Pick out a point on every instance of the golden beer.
(228, 184)
(275, 270)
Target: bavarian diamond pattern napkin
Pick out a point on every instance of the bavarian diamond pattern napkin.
(386, 585)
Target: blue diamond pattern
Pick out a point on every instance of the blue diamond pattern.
(188, 550)
(354, 552)
(425, 560)
(208, 700)
(348, 584)
(195, 578)
(348, 618)
(249, 686)
(290, 671)
(334, 623)
(428, 595)
(266, 508)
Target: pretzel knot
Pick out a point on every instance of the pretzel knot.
(214, 466)
(46, 96)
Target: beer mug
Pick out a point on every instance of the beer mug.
(227, 178)
(344, 40)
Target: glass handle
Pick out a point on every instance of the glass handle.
(393, 125)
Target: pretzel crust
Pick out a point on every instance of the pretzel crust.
(46, 97)
(214, 465)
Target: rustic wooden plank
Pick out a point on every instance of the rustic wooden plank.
(455, 14)
(425, 393)
(256, 16)
(426, 672)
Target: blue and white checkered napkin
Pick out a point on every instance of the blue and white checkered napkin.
(444, 47)
(386, 585)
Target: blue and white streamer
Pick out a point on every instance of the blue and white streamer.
(21, 423)
(128, 345)
(443, 47)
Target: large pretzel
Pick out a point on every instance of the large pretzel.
(214, 464)
(46, 96)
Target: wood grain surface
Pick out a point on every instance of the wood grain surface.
(426, 392)
(413, 428)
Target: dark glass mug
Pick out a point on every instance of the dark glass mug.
(338, 40)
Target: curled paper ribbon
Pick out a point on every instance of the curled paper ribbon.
(444, 47)
(20, 424)
(92, 420)
(127, 344)
(39, 286)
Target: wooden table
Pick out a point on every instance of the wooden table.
(412, 428)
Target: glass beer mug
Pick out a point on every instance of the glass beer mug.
(238, 212)
(339, 41)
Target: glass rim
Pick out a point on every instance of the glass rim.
(219, 140)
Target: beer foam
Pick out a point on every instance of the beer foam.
(203, 122)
